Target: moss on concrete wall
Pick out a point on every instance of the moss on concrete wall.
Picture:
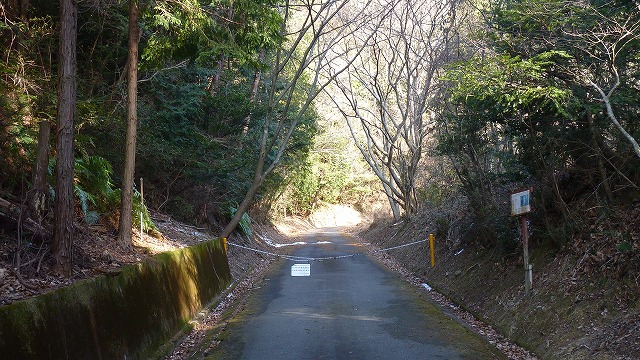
(111, 317)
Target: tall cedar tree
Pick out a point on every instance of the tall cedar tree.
(126, 220)
(63, 233)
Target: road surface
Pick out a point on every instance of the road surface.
(348, 308)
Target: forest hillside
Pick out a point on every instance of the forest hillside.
(226, 114)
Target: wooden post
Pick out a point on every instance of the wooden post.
(141, 208)
(432, 250)
(525, 246)
(521, 206)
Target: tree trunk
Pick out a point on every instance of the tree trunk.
(126, 211)
(395, 208)
(63, 232)
(38, 194)
(242, 208)
(601, 168)
(215, 82)
(606, 99)
(284, 126)
(634, 144)
(254, 91)
(258, 177)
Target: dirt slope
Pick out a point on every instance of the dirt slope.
(571, 313)
(26, 264)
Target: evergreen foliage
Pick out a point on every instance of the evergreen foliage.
(189, 135)
(516, 107)
(523, 110)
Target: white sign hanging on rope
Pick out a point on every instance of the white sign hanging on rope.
(301, 270)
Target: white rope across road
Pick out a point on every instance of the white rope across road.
(304, 258)
(399, 246)
(289, 257)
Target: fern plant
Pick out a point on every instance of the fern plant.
(93, 187)
(140, 210)
(94, 190)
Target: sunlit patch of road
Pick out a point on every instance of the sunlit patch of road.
(326, 219)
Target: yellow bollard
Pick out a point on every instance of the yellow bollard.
(224, 244)
(433, 255)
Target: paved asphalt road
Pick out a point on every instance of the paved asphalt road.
(349, 308)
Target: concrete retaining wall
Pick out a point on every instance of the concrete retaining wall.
(116, 317)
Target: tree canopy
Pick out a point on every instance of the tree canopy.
(235, 98)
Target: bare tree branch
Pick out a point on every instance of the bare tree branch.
(314, 29)
(387, 91)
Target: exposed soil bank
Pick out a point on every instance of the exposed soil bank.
(566, 316)
(121, 315)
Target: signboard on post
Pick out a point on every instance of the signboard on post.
(520, 203)
(521, 206)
